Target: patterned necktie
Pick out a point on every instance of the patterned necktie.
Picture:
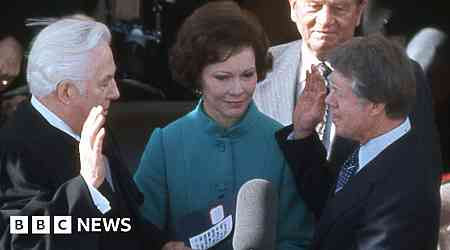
(348, 170)
(326, 124)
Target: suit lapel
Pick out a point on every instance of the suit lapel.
(354, 192)
(358, 188)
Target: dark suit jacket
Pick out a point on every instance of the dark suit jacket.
(39, 175)
(405, 174)
(392, 203)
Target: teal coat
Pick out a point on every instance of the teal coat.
(193, 161)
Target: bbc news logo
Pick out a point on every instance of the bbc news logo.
(63, 225)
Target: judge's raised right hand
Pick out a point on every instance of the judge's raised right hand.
(91, 144)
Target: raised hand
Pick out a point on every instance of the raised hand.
(310, 107)
(91, 144)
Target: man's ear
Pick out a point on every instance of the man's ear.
(361, 9)
(293, 4)
(66, 91)
(377, 108)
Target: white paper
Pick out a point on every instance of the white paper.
(213, 235)
(216, 214)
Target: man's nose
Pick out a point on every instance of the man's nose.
(114, 93)
(325, 16)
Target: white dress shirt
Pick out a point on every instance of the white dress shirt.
(100, 201)
(308, 59)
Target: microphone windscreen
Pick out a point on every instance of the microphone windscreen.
(256, 216)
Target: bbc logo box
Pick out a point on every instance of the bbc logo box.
(40, 225)
(18, 225)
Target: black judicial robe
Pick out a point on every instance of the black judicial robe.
(39, 175)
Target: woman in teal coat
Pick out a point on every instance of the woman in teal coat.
(193, 168)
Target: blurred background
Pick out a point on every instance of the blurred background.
(144, 30)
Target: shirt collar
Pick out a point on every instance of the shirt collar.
(213, 128)
(52, 118)
(308, 59)
(375, 146)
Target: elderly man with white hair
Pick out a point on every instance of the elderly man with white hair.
(57, 158)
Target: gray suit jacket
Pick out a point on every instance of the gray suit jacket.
(275, 96)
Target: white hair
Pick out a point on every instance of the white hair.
(62, 51)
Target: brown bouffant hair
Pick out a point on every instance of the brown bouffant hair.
(212, 34)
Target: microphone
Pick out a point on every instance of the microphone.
(256, 216)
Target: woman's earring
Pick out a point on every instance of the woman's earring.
(197, 93)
